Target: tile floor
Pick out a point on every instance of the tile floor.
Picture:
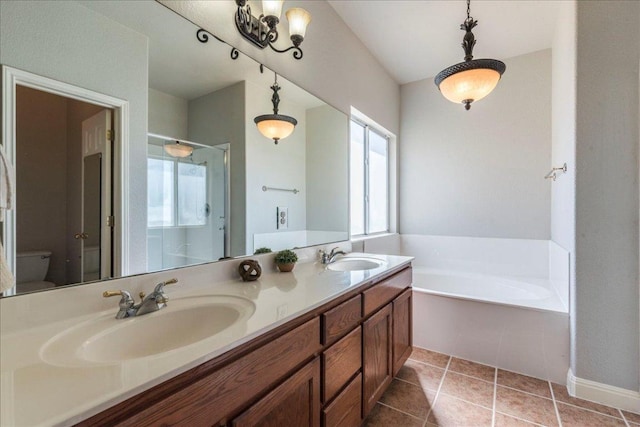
(434, 389)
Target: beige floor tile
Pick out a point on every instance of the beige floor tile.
(409, 398)
(524, 383)
(431, 357)
(526, 406)
(451, 412)
(473, 369)
(572, 416)
(631, 417)
(503, 420)
(426, 376)
(470, 389)
(382, 416)
(561, 395)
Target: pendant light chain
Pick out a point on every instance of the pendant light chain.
(468, 9)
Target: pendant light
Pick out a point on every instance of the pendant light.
(473, 79)
(178, 150)
(275, 126)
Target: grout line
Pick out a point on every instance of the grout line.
(525, 392)
(495, 393)
(521, 419)
(428, 364)
(594, 411)
(435, 399)
(466, 401)
(555, 404)
(398, 410)
(475, 378)
(624, 418)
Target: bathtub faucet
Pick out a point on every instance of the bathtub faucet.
(155, 301)
(328, 258)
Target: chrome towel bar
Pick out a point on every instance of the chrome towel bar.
(553, 174)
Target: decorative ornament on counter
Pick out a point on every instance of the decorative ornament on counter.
(286, 260)
(250, 270)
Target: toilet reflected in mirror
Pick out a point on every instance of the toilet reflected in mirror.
(31, 271)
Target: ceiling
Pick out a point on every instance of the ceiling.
(416, 39)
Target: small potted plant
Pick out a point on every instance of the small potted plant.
(286, 260)
(262, 250)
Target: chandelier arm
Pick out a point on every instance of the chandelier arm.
(297, 52)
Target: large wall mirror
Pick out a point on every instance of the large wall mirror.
(135, 147)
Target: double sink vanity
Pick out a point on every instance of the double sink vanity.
(314, 347)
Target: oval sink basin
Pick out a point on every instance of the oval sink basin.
(355, 264)
(183, 322)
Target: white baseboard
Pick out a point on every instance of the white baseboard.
(603, 393)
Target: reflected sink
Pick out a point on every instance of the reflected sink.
(355, 264)
(183, 322)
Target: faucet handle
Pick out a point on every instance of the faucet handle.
(107, 294)
(160, 286)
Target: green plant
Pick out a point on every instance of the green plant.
(262, 250)
(286, 256)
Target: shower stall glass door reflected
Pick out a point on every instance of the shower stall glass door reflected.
(187, 205)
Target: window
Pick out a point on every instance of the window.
(176, 193)
(369, 180)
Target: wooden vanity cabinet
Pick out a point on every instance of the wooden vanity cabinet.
(326, 368)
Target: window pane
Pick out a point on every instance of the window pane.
(357, 179)
(192, 191)
(378, 186)
(160, 193)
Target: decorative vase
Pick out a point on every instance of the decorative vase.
(285, 268)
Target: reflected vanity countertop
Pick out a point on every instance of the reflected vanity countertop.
(38, 390)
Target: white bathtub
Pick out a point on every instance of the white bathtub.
(501, 302)
(532, 293)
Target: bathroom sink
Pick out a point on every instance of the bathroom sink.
(183, 322)
(355, 264)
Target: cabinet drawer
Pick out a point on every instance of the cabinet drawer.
(380, 294)
(341, 319)
(346, 409)
(341, 361)
(216, 396)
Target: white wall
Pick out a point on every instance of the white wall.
(327, 163)
(479, 173)
(605, 322)
(115, 63)
(336, 66)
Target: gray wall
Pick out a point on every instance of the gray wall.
(336, 67)
(479, 173)
(327, 129)
(605, 321)
(168, 114)
(219, 118)
(114, 62)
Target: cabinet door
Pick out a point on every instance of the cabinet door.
(401, 330)
(296, 402)
(377, 359)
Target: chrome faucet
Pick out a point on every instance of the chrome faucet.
(328, 258)
(155, 301)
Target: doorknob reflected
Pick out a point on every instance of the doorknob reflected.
(83, 236)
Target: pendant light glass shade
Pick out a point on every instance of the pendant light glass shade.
(272, 8)
(275, 126)
(178, 150)
(298, 21)
(473, 84)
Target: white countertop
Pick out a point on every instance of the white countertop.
(38, 392)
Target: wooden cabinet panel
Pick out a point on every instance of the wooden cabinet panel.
(401, 330)
(341, 361)
(382, 293)
(341, 319)
(377, 361)
(346, 409)
(214, 397)
(296, 402)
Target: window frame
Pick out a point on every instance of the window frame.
(367, 128)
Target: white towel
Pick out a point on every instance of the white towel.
(7, 185)
(6, 278)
